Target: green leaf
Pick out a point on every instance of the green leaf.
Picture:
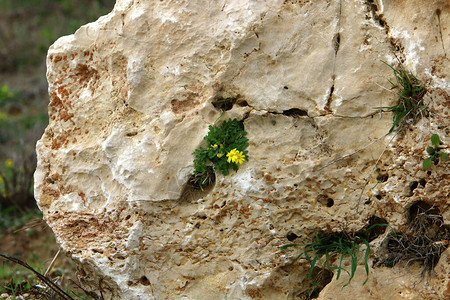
(354, 263)
(312, 265)
(366, 259)
(435, 141)
(427, 163)
(431, 150)
(284, 247)
(444, 156)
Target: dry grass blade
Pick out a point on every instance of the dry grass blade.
(46, 280)
(424, 241)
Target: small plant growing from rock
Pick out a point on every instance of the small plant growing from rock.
(410, 97)
(225, 149)
(434, 152)
(426, 237)
(337, 244)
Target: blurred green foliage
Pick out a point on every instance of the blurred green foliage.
(21, 123)
(29, 27)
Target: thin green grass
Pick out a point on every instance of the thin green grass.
(409, 97)
(336, 245)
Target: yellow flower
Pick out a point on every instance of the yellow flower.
(239, 158)
(9, 163)
(214, 146)
(236, 156)
(231, 155)
(219, 155)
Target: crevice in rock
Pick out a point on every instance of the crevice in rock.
(330, 97)
(337, 41)
(423, 240)
(224, 104)
(375, 227)
(295, 112)
(438, 15)
(379, 19)
(336, 44)
(320, 278)
(198, 186)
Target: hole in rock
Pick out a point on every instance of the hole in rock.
(132, 133)
(337, 41)
(242, 103)
(413, 185)
(127, 217)
(422, 182)
(199, 185)
(428, 172)
(379, 197)
(224, 103)
(375, 227)
(325, 200)
(144, 280)
(382, 177)
(295, 112)
(291, 236)
(421, 207)
(423, 241)
(320, 278)
(285, 87)
(330, 202)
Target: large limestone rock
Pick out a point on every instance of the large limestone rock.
(131, 99)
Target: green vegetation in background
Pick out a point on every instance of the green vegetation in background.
(20, 126)
(29, 27)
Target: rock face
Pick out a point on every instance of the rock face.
(131, 99)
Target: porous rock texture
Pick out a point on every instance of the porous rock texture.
(131, 98)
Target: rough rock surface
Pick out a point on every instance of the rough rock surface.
(131, 99)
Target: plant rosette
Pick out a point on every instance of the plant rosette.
(434, 152)
(225, 149)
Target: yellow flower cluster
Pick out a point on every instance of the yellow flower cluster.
(236, 156)
(9, 163)
(219, 155)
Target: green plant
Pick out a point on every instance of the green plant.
(410, 97)
(225, 149)
(336, 244)
(434, 152)
(21, 124)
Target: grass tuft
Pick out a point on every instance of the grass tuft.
(336, 245)
(423, 242)
(410, 96)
